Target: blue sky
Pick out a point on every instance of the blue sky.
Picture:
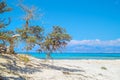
(83, 19)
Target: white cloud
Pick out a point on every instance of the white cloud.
(96, 42)
(97, 45)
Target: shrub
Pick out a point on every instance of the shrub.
(104, 68)
(24, 58)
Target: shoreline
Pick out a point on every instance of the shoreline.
(80, 59)
(77, 56)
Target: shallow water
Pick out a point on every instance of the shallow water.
(75, 55)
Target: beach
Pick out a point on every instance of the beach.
(38, 69)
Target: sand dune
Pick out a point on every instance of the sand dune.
(11, 68)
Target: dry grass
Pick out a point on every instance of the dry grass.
(24, 58)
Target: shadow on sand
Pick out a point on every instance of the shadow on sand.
(14, 69)
(30, 69)
(12, 78)
(61, 68)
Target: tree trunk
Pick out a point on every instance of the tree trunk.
(27, 24)
(11, 41)
(11, 47)
(48, 56)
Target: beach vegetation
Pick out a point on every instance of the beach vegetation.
(31, 35)
(5, 35)
(104, 68)
(56, 40)
(24, 58)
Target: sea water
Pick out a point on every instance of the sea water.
(75, 55)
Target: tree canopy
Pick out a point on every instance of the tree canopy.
(32, 35)
(5, 35)
(55, 40)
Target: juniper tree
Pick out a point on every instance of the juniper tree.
(30, 34)
(5, 35)
(55, 40)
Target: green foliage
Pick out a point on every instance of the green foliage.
(24, 58)
(55, 40)
(37, 31)
(4, 8)
(6, 36)
(104, 68)
(31, 39)
(23, 33)
(32, 35)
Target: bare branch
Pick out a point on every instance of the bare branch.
(31, 12)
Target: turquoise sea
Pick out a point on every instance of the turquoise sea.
(76, 55)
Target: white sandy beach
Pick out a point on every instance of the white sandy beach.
(38, 69)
